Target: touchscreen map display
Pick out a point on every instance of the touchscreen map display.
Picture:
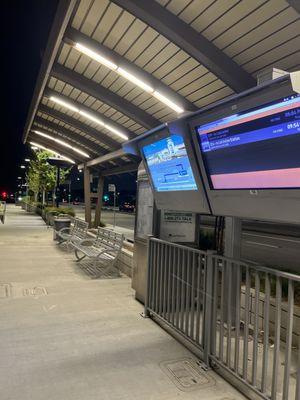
(255, 149)
(169, 165)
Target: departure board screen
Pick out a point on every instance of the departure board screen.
(254, 149)
(169, 165)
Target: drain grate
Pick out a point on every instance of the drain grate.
(5, 290)
(36, 291)
(187, 374)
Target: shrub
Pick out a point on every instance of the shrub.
(61, 210)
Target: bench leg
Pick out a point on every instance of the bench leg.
(77, 256)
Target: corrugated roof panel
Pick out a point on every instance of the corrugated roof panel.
(228, 19)
(106, 21)
(51, 82)
(82, 97)
(182, 69)
(81, 12)
(63, 53)
(75, 94)
(72, 58)
(119, 29)
(151, 51)
(212, 13)
(83, 63)
(133, 31)
(59, 86)
(264, 30)
(193, 10)
(243, 26)
(103, 73)
(141, 43)
(273, 55)
(93, 16)
(206, 90)
(136, 93)
(67, 89)
(215, 96)
(191, 76)
(273, 41)
(170, 65)
(162, 55)
(198, 84)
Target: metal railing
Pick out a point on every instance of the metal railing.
(242, 317)
(176, 287)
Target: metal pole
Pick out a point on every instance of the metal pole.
(115, 208)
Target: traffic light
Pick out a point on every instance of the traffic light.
(105, 197)
(4, 195)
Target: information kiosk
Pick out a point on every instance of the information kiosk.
(248, 152)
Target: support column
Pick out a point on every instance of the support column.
(233, 237)
(99, 201)
(87, 195)
(233, 247)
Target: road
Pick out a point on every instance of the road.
(260, 243)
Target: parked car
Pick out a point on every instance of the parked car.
(127, 206)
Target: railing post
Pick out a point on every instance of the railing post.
(208, 305)
(146, 313)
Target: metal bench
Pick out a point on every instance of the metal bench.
(76, 233)
(103, 250)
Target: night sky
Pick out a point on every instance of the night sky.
(25, 26)
(24, 33)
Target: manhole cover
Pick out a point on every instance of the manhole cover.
(35, 292)
(187, 374)
(5, 290)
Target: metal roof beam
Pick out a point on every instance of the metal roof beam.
(73, 36)
(107, 157)
(50, 126)
(121, 170)
(105, 95)
(62, 17)
(295, 4)
(191, 41)
(75, 123)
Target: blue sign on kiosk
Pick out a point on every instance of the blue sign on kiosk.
(169, 164)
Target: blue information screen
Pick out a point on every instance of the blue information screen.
(169, 165)
(254, 149)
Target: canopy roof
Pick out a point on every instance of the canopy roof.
(114, 69)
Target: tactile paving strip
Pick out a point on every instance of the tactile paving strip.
(187, 374)
(36, 291)
(5, 290)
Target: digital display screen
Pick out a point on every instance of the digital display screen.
(169, 165)
(254, 149)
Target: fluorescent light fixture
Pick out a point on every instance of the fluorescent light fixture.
(39, 146)
(95, 56)
(168, 102)
(127, 75)
(130, 77)
(116, 131)
(91, 117)
(62, 143)
(64, 103)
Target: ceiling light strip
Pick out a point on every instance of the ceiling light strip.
(130, 77)
(61, 142)
(98, 121)
(34, 144)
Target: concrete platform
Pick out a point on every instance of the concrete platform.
(64, 336)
